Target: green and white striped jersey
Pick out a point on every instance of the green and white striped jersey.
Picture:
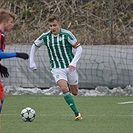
(59, 47)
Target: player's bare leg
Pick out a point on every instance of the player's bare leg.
(73, 89)
(63, 85)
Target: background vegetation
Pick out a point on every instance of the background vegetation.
(94, 22)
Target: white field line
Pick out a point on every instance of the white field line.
(126, 102)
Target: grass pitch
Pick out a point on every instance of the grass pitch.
(100, 115)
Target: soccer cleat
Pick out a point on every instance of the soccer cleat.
(78, 117)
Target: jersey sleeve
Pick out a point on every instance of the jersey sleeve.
(76, 57)
(4, 55)
(39, 41)
(73, 41)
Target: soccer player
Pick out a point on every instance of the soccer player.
(6, 24)
(59, 43)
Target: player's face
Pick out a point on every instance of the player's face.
(55, 27)
(8, 25)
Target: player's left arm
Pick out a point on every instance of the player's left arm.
(76, 56)
(78, 52)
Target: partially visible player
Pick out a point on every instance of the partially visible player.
(59, 43)
(6, 24)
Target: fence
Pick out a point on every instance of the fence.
(101, 65)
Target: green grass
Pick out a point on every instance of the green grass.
(100, 115)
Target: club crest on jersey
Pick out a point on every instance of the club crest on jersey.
(60, 39)
(57, 76)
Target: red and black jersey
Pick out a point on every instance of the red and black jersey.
(2, 41)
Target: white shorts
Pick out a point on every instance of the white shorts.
(70, 76)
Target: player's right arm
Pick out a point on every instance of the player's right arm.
(37, 44)
(5, 55)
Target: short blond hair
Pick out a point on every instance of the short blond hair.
(6, 15)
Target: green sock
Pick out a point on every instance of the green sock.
(69, 99)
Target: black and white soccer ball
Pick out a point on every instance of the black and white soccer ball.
(28, 114)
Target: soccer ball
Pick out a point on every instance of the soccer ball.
(28, 114)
